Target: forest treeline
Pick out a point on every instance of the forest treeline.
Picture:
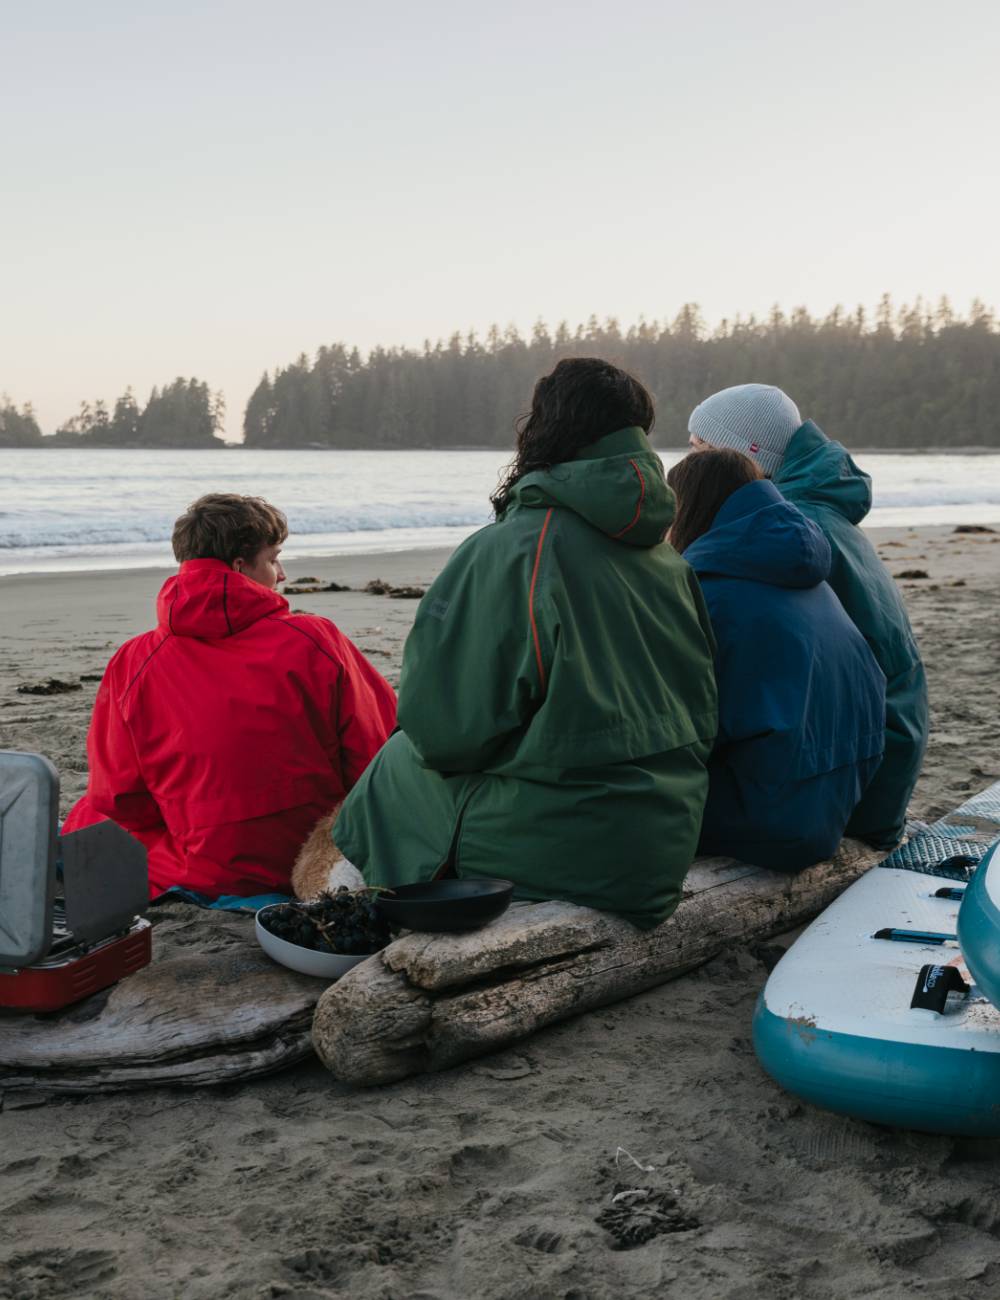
(914, 377)
(182, 414)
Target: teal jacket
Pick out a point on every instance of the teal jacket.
(819, 477)
(557, 703)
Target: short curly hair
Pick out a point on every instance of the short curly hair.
(225, 526)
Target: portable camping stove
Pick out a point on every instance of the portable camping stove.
(55, 951)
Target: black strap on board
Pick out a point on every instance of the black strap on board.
(958, 862)
(934, 983)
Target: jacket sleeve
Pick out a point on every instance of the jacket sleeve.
(116, 787)
(746, 668)
(475, 661)
(365, 707)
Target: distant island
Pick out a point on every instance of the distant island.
(182, 414)
(902, 379)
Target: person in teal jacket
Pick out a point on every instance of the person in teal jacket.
(557, 704)
(818, 476)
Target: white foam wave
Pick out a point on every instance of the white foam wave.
(936, 494)
(19, 530)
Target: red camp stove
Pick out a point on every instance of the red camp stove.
(57, 950)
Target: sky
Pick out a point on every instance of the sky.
(209, 189)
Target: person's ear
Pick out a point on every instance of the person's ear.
(238, 564)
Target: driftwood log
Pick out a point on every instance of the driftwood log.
(210, 1008)
(427, 1002)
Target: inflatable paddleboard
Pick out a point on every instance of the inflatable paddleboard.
(979, 925)
(875, 1010)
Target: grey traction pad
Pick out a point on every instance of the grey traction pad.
(969, 831)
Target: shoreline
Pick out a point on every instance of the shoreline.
(366, 562)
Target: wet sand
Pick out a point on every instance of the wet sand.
(488, 1180)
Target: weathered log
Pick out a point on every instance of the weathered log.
(211, 1007)
(428, 1002)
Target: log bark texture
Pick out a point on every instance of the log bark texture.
(428, 1002)
(210, 1008)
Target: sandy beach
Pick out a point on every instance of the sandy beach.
(488, 1180)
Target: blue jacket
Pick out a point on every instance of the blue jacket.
(801, 697)
(820, 478)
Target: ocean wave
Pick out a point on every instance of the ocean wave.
(937, 494)
(87, 503)
(85, 530)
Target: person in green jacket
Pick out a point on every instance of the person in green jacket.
(557, 704)
(818, 476)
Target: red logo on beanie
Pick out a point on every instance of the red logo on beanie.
(754, 447)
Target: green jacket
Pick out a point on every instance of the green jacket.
(819, 477)
(557, 702)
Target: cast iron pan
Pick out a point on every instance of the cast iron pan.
(444, 906)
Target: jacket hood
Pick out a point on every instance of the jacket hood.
(818, 470)
(759, 535)
(616, 484)
(208, 599)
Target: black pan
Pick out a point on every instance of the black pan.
(445, 906)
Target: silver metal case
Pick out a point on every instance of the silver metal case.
(29, 810)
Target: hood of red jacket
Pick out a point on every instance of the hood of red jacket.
(208, 599)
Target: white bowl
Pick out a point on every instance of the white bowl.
(324, 965)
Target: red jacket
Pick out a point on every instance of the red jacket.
(222, 737)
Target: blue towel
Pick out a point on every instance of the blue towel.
(226, 903)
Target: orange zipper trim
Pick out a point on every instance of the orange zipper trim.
(638, 509)
(531, 599)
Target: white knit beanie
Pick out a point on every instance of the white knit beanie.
(756, 419)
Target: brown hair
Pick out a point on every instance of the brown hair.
(581, 400)
(703, 482)
(227, 527)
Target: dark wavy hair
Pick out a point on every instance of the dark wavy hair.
(583, 399)
(703, 482)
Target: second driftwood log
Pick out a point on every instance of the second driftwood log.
(428, 1002)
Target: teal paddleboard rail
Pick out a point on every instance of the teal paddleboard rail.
(905, 1085)
(979, 926)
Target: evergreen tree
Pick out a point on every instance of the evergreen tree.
(125, 421)
(18, 428)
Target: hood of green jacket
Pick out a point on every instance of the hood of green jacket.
(616, 484)
(818, 470)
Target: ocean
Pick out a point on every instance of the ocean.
(79, 510)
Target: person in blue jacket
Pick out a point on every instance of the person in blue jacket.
(801, 697)
(818, 475)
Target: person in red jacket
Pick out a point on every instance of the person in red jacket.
(221, 738)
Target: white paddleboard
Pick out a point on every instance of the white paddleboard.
(834, 1023)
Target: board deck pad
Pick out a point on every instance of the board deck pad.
(969, 831)
(834, 1022)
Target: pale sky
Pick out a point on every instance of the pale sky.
(210, 189)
